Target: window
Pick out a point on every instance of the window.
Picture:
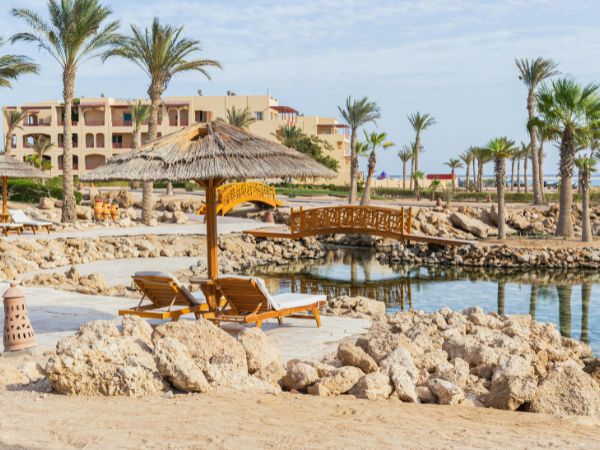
(258, 115)
(201, 116)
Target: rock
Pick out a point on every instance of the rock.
(98, 361)
(373, 386)
(32, 370)
(175, 364)
(400, 357)
(466, 223)
(380, 345)
(260, 350)
(10, 376)
(342, 380)
(137, 328)
(273, 373)
(446, 392)
(513, 384)
(84, 212)
(357, 307)
(299, 376)
(351, 355)
(46, 203)
(456, 373)
(567, 390)
(123, 198)
(180, 217)
(404, 383)
(425, 394)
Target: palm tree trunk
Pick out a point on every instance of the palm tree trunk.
(533, 301)
(69, 214)
(586, 296)
(366, 198)
(564, 309)
(525, 164)
(567, 153)
(453, 180)
(148, 187)
(403, 174)
(500, 180)
(169, 188)
(353, 167)
(586, 234)
(536, 175)
(518, 175)
(501, 297)
(416, 159)
(512, 175)
(541, 172)
(480, 177)
(467, 181)
(474, 176)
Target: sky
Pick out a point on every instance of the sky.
(453, 59)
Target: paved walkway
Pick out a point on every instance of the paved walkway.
(225, 225)
(55, 314)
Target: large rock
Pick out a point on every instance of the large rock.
(299, 375)
(401, 357)
(46, 203)
(351, 355)
(123, 198)
(447, 393)
(180, 217)
(84, 212)
(380, 345)
(356, 307)
(175, 364)
(469, 224)
(373, 386)
(99, 361)
(404, 383)
(262, 355)
(513, 384)
(137, 328)
(342, 380)
(567, 390)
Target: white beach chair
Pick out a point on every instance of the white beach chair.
(19, 217)
(8, 227)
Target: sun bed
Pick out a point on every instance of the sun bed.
(164, 291)
(249, 301)
(19, 217)
(8, 227)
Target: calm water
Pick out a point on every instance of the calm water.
(570, 300)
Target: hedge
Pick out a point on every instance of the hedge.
(30, 191)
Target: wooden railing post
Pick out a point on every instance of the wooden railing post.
(402, 221)
(409, 226)
(292, 221)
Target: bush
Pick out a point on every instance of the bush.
(190, 186)
(30, 191)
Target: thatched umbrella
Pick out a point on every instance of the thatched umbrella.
(11, 167)
(209, 154)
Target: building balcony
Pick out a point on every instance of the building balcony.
(94, 123)
(73, 123)
(122, 145)
(122, 123)
(39, 124)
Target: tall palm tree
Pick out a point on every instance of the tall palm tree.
(13, 120)
(518, 156)
(405, 156)
(162, 53)
(568, 109)
(140, 112)
(500, 149)
(525, 153)
(13, 66)
(357, 113)
(513, 159)
(75, 31)
(41, 146)
(467, 159)
(374, 140)
(419, 122)
(587, 166)
(453, 163)
(241, 118)
(482, 156)
(532, 73)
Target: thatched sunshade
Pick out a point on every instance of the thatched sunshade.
(11, 167)
(209, 154)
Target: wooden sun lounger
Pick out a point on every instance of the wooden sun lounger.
(164, 291)
(8, 227)
(20, 218)
(249, 301)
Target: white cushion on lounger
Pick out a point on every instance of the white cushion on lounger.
(197, 298)
(19, 216)
(292, 300)
(11, 225)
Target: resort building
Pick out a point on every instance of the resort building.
(102, 127)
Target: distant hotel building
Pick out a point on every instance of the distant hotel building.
(102, 127)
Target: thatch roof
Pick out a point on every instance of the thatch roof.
(209, 151)
(11, 167)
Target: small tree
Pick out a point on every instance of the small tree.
(500, 149)
(373, 140)
(41, 146)
(467, 158)
(454, 164)
(419, 175)
(405, 156)
(13, 120)
(241, 118)
(587, 166)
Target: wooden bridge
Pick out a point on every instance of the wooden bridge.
(231, 195)
(376, 221)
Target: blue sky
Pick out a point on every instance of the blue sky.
(451, 58)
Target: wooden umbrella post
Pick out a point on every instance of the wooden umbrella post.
(4, 217)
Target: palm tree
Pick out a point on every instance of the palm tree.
(13, 66)
(453, 163)
(241, 118)
(467, 158)
(75, 32)
(419, 122)
(416, 176)
(140, 112)
(532, 73)
(482, 156)
(587, 166)
(568, 109)
(526, 155)
(162, 53)
(500, 149)
(13, 120)
(513, 159)
(357, 113)
(41, 145)
(374, 140)
(405, 156)
(288, 135)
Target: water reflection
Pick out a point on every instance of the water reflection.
(546, 296)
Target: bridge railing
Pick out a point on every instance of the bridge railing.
(351, 219)
(233, 194)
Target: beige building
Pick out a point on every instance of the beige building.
(102, 127)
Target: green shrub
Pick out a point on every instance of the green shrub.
(30, 191)
(190, 186)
